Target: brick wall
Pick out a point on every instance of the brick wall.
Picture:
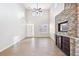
(70, 14)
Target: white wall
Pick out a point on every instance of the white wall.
(56, 8)
(12, 24)
(38, 22)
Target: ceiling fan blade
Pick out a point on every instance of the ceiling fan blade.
(40, 10)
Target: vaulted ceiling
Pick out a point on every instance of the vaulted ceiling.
(40, 5)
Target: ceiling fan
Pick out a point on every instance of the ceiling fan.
(37, 10)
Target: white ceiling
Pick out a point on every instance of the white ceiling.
(40, 5)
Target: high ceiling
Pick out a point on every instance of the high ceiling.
(40, 5)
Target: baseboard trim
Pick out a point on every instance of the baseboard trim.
(19, 41)
(6, 47)
(37, 36)
(52, 38)
(11, 45)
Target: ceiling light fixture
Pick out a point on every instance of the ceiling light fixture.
(37, 10)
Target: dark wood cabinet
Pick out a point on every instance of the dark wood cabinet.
(58, 41)
(63, 43)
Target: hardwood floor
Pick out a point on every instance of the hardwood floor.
(33, 47)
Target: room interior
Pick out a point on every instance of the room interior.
(39, 29)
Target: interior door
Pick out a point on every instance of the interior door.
(30, 30)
